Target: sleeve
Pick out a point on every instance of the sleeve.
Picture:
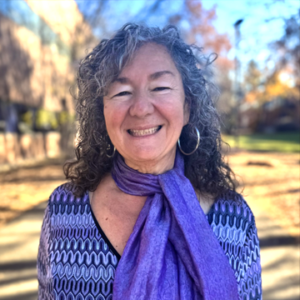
(43, 260)
(250, 284)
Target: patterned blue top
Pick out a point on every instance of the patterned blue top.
(77, 261)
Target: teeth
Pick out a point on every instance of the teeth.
(144, 132)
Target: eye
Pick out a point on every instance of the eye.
(161, 88)
(125, 93)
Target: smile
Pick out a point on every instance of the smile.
(144, 132)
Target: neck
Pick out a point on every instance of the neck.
(108, 197)
(154, 167)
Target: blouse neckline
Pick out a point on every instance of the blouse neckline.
(103, 235)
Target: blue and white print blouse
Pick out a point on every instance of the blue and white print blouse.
(76, 261)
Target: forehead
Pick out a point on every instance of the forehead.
(150, 58)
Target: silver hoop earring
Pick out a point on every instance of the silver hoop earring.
(110, 156)
(198, 143)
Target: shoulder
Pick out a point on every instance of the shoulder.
(63, 198)
(233, 223)
(231, 214)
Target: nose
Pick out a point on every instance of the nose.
(141, 106)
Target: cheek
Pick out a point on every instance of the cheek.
(113, 119)
(176, 117)
(109, 119)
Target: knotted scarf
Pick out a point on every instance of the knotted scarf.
(172, 252)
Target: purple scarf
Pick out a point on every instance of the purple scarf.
(172, 252)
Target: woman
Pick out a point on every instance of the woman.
(129, 225)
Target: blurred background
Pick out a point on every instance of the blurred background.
(255, 50)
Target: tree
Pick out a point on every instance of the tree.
(260, 90)
(252, 82)
(288, 47)
(201, 31)
(278, 87)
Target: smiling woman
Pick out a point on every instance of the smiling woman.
(145, 110)
(148, 213)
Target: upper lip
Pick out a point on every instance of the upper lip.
(143, 127)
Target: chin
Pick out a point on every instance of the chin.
(150, 155)
(143, 155)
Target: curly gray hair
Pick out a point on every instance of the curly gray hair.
(205, 168)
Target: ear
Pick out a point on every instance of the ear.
(186, 112)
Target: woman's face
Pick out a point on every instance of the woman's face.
(145, 110)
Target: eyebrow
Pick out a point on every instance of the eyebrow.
(122, 80)
(156, 75)
(160, 73)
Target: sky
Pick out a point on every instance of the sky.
(262, 21)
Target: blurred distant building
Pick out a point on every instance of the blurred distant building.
(40, 44)
(277, 115)
(280, 115)
(273, 106)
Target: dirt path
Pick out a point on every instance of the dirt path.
(26, 187)
(271, 182)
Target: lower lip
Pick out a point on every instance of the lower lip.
(146, 135)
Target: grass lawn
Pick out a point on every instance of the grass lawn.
(277, 142)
